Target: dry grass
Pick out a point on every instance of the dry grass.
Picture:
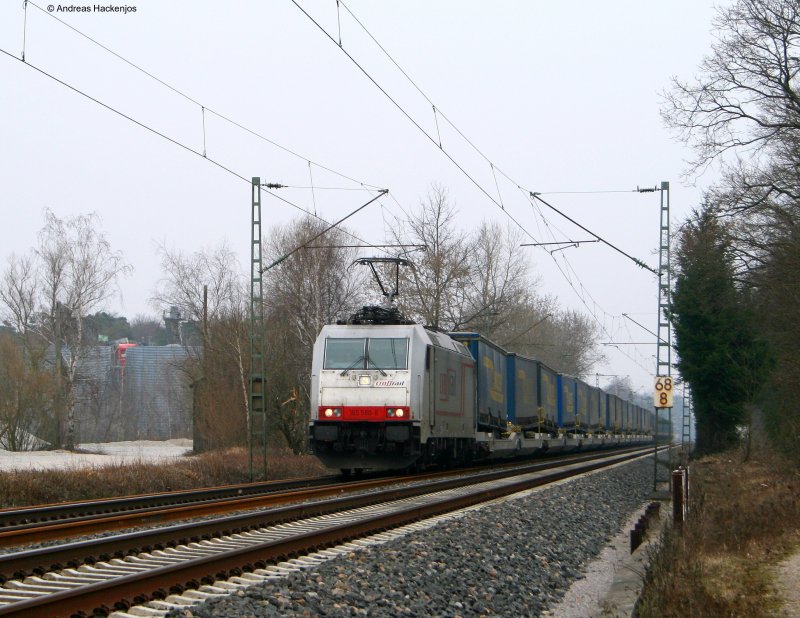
(744, 519)
(230, 466)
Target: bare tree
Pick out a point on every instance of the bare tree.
(743, 112)
(209, 289)
(479, 282)
(436, 290)
(72, 272)
(499, 280)
(314, 287)
(746, 99)
(25, 391)
(565, 340)
(621, 386)
(186, 276)
(148, 330)
(18, 294)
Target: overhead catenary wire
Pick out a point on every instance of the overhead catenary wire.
(327, 229)
(24, 27)
(256, 134)
(313, 194)
(191, 99)
(426, 97)
(318, 188)
(589, 192)
(493, 166)
(402, 246)
(362, 185)
(411, 119)
(180, 144)
(499, 204)
(636, 261)
(365, 185)
(580, 291)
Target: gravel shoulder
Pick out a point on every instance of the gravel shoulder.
(515, 557)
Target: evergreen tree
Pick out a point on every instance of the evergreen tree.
(719, 353)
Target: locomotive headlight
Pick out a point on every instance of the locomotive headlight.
(329, 412)
(398, 413)
(337, 412)
(389, 412)
(364, 380)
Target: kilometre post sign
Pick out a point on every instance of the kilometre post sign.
(662, 396)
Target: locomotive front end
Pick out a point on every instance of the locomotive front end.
(363, 413)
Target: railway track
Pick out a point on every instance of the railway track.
(143, 511)
(104, 575)
(21, 526)
(67, 511)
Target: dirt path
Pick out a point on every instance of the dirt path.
(787, 579)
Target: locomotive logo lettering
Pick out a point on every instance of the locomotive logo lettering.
(386, 383)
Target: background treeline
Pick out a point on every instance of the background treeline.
(737, 296)
(51, 301)
(460, 281)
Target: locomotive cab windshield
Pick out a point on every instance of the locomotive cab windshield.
(381, 353)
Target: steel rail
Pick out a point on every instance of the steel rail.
(42, 560)
(23, 534)
(60, 512)
(204, 504)
(41, 513)
(121, 592)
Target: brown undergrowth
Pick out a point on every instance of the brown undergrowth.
(230, 466)
(744, 518)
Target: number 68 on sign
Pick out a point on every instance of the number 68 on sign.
(662, 397)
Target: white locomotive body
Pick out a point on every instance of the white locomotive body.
(390, 395)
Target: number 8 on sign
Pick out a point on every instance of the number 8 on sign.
(662, 397)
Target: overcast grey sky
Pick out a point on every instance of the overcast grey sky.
(562, 97)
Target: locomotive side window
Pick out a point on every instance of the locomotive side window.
(345, 353)
(388, 353)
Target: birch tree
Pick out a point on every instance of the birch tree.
(71, 272)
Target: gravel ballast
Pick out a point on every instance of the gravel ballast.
(515, 557)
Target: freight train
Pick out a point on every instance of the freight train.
(390, 394)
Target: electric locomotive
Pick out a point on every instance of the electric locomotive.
(386, 393)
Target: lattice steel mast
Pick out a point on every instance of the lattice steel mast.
(664, 331)
(257, 411)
